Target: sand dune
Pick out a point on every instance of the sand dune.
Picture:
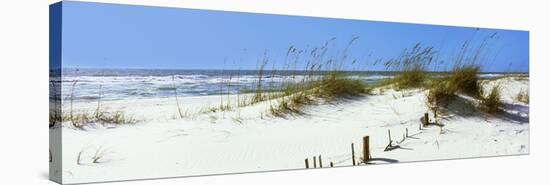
(249, 139)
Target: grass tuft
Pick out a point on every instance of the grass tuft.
(335, 85)
(491, 102)
(441, 94)
(523, 96)
(331, 86)
(78, 120)
(412, 66)
(464, 79)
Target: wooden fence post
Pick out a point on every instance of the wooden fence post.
(426, 119)
(307, 164)
(389, 136)
(314, 161)
(407, 132)
(352, 155)
(320, 162)
(366, 151)
(331, 164)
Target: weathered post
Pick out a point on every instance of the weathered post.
(352, 155)
(307, 164)
(320, 162)
(389, 136)
(331, 164)
(314, 161)
(366, 151)
(407, 132)
(426, 119)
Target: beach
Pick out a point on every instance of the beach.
(248, 139)
(140, 92)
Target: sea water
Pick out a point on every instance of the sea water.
(115, 84)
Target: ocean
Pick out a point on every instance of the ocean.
(115, 84)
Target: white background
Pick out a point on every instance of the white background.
(24, 90)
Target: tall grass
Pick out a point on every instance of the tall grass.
(412, 66)
(337, 84)
(180, 113)
(330, 87)
(523, 96)
(440, 94)
(492, 101)
(305, 75)
(80, 119)
(327, 84)
(323, 76)
(259, 92)
(464, 79)
(55, 110)
(467, 66)
(74, 122)
(99, 93)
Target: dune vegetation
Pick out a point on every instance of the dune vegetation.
(318, 75)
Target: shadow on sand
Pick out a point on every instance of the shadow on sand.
(467, 107)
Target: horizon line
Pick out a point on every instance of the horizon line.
(299, 70)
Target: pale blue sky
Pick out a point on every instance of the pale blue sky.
(97, 35)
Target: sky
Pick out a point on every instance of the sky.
(97, 35)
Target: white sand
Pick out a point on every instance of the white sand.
(248, 139)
